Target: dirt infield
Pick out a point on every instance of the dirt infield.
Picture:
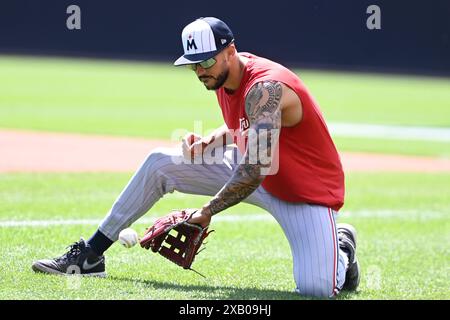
(26, 151)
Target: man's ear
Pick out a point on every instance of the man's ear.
(231, 50)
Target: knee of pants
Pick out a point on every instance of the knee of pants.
(159, 158)
(316, 287)
(156, 170)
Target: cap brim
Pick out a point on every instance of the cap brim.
(183, 61)
(194, 58)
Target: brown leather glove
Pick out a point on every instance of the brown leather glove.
(180, 248)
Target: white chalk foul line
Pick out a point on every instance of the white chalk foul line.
(145, 220)
(412, 215)
(389, 132)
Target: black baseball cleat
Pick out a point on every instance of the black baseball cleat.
(347, 243)
(80, 259)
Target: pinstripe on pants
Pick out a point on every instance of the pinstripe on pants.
(318, 264)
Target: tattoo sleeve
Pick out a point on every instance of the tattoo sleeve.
(262, 105)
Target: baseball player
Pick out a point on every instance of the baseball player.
(281, 158)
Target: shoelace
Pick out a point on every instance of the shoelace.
(74, 249)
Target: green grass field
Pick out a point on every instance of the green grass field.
(402, 221)
(402, 218)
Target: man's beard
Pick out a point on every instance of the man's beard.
(220, 80)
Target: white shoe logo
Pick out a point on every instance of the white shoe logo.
(88, 266)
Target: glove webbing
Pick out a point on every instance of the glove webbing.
(178, 246)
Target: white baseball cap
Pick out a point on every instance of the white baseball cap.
(203, 39)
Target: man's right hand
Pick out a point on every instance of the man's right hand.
(193, 146)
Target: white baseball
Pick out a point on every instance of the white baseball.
(128, 237)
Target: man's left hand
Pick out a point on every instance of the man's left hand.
(201, 217)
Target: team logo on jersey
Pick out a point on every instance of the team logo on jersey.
(244, 124)
(191, 43)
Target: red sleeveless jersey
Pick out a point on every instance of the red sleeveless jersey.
(310, 169)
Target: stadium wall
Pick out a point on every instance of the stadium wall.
(414, 35)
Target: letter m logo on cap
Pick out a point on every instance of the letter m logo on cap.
(198, 38)
(190, 43)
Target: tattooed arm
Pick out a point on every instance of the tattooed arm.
(263, 108)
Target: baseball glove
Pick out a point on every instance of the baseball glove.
(180, 248)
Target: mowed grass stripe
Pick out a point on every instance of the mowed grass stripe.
(409, 215)
(132, 99)
(91, 195)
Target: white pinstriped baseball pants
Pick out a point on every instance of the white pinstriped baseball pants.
(318, 263)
